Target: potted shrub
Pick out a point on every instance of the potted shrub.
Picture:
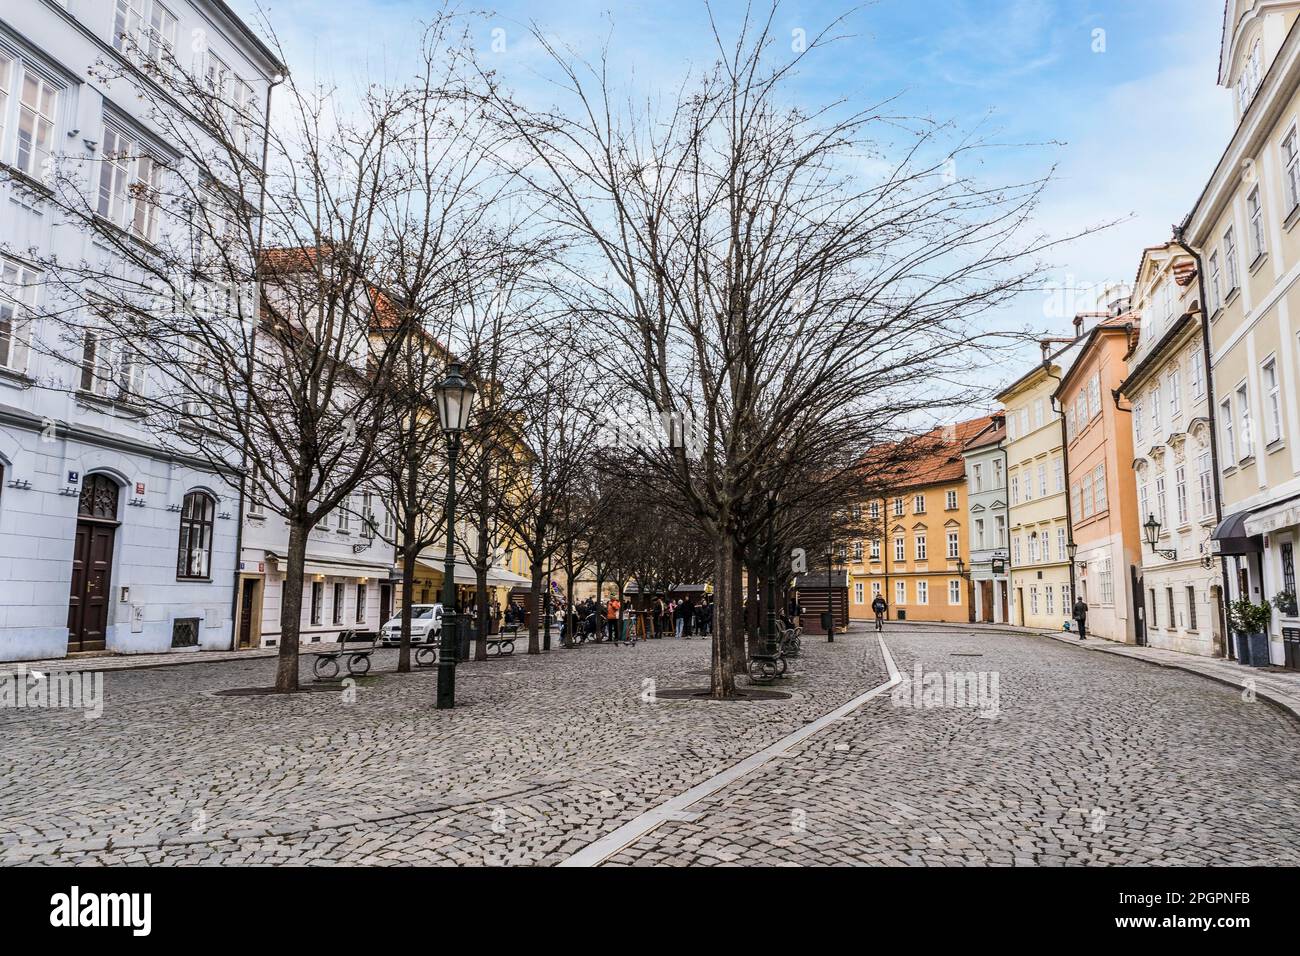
(1250, 623)
(1285, 602)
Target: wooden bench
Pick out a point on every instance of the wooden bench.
(355, 646)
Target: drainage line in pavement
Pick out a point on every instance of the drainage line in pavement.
(675, 809)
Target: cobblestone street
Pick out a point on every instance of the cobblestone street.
(1092, 759)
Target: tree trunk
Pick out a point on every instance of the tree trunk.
(286, 673)
(722, 680)
(739, 661)
(534, 646)
(408, 587)
(484, 612)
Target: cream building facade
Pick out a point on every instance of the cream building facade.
(1166, 389)
(1039, 528)
(1244, 230)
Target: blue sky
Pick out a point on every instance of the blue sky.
(1134, 130)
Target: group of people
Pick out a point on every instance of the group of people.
(683, 617)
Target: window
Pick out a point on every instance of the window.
(1038, 414)
(145, 28)
(1191, 608)
(1230, 259)
(1180, 493)
(1173, 380)
(317, 598)
(859, 593)
(977, 478)
(875, 589)
(1049, 600)
(1099, 488)
(898, 507)
(1197, 370)
(1033, 547)
(345, 517)
(1161, 514)
(256, 500)
(1029, 483)
(1001, 525)
(921, 547)
(954, 549)
(1272, 403)
(1169, 606)
(130, 181)
(1287, 557)
(922, 592)
(950, 501)
(1106, 581)
(1291, 164)
(1075, 502)
(1061, 552)
(1255, 218)
(1033, 599)
(194, 551)
(1042, 480)
(1058, 469)
(900, 549)
(1247, 427)
(997, 474)
(389, 527)
(954, 591)
(918, 504)
(1138, 407)
(17, 293)
(857, 550)
(1094, 396)
(1017, 549)
(1156, 422)
(338, 604)
(1252, 76)
(900, 592)
(979, 534)
(875, 549)
(96, 373)
(874, 509)
(361, 604)
(35, 108)
(1206, 484)
(1087, 496)
(1144, 502)
(1216, 283)
(1011, 426)
(1229, 433)
(1155, 608)
(1015, 489)
(1069, 423)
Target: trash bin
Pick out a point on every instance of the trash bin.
(465, 633)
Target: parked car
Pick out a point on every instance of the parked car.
(426, 626)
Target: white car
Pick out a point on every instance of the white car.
(426, 626)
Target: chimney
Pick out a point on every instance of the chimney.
(1078, 325)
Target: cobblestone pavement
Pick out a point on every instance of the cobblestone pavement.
(542, 756)
(1092, 759)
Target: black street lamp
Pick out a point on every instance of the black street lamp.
(455, 396)
(830, 594)
(1152, 529)
(773, 642)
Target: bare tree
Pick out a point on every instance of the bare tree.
(756, 283)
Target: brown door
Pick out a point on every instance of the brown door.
(246, 612)
(1005, 619)
(986, 602)
(92, 573)
(385, 603)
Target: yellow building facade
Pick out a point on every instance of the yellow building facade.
(1039, 531)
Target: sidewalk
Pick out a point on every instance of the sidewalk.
(123, 662)
(1273, 684)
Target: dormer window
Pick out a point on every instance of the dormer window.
(1252, 76)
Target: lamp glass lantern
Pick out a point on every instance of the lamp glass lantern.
(1072, 550)
(961, 567)
(455, 395)
(1152, 530)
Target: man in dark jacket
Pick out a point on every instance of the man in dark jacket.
(1081, 616)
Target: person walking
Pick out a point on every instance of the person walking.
(1081, 616)
(794, 611)
(680, 613)
(658, 614)
(880, 608)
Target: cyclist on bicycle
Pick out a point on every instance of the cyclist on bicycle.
(880, 607)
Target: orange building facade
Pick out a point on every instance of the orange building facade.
(917, 564)
(1103, 491)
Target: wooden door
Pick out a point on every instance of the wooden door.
(986, 602)
(92, 578)
(246, 602)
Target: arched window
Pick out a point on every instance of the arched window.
(194, 552)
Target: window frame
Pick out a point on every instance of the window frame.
(205, 523)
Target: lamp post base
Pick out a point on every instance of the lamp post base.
(446, 685)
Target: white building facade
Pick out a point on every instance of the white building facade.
(986, 505)
(109, 542)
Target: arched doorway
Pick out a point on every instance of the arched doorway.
(92, 564)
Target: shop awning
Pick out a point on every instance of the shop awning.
(1231, 537)
(465, 574)
(1281, 515)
